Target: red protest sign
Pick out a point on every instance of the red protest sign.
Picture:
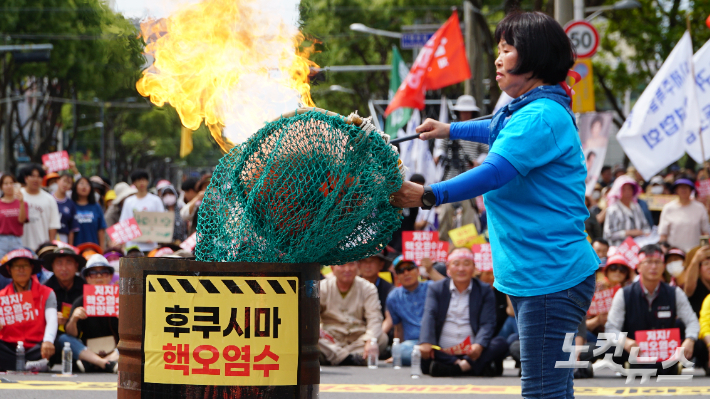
(460, 349)
(442, 252)
(482, 257)
(56, 161)
(124, 231)
(703, 187)
(101, 300)
(417, 245)
(190, 243)
(659, 343)
(17, 309)
(630, 250)
(601, 302)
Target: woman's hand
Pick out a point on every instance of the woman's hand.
(408, 196)
(47, 350)
(433, 129)
(79, 313)
(701, 254)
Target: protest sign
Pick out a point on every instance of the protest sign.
(601, 302)
(460, 349)
(664, 122)
(464, 236)
(101, 300)
(17, 309)
(657, 202)
(155, 226)
(56, 161)
(227, 330)
(190, 243)
(703, 187)
(659, 343)
(482, 257)
(630, 251)
(594, 133)
(417, 245)
(124, 231)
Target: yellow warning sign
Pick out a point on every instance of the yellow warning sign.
(221, 330)
(583, 98)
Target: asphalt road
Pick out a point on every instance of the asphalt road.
(360, 382)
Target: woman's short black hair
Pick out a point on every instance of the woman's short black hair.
(139, 174)
(543, 46)
(91, 198)
(27, 171)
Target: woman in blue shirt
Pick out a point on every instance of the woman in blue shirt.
(89, 216)
(533, 181)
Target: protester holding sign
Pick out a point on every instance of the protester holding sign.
(142, 201)
(617, 273)
(89, 215)
(624, 216)
(548, 263)
(43, 220)
(36, 324)
(684, 220)
(651, 304)
(13, 215)
(80, 325)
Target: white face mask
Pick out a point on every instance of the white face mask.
(169, 200)
(657, 190)
(53, 187)
(675, 268)
(596, 194)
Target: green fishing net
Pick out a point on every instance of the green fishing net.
(306, 188)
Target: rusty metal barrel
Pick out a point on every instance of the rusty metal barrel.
(193, 329)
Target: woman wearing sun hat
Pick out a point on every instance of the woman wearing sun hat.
(683, 220)
(37, 335)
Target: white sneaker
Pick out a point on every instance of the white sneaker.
(37, 365)
(80, 366)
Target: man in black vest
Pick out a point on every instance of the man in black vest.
(650, 304)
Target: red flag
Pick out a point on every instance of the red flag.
(441, 62)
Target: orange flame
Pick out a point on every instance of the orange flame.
(227, 63)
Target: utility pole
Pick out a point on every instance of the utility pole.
(564, 11)
(474, 53)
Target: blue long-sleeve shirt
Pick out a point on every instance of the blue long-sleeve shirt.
(492, 174)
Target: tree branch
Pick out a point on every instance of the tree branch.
(610, 96)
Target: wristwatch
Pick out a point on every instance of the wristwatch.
(428, 198)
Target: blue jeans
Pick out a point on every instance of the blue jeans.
(407, 348)
(543, 321)
(75, 343)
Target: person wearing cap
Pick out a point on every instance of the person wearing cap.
(89, 215)
(460, 308)
(650, 304)
(109, 197)
(113, 211)
(616, 273)
(49, 182)
(97, 272)
(683, 220)
(675, 264)
(370, 269)
(99, 187)
(13, 215)
(65, 263)
(43, 219)
(37, 335)
(66, 207)
(405, 307)
(351, 317)
(461, 154)
(624, 217)
(142, 201)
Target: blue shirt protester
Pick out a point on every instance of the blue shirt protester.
(408, 308)
(67, 210)
(90, 219)
(536, 213)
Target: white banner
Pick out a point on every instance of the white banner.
(701, 59)
(664, 121)
(415, 154)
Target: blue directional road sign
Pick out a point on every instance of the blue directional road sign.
(414, 40)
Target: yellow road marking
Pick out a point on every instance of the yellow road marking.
(60, 385)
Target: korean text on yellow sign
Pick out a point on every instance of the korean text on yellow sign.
(221, 330)
(466, 236)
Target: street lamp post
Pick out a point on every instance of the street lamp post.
(619, 5)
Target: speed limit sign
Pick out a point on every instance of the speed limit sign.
(584, 37)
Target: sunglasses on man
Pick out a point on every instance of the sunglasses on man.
(401, 270)
(98, 273)
(618, 268)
